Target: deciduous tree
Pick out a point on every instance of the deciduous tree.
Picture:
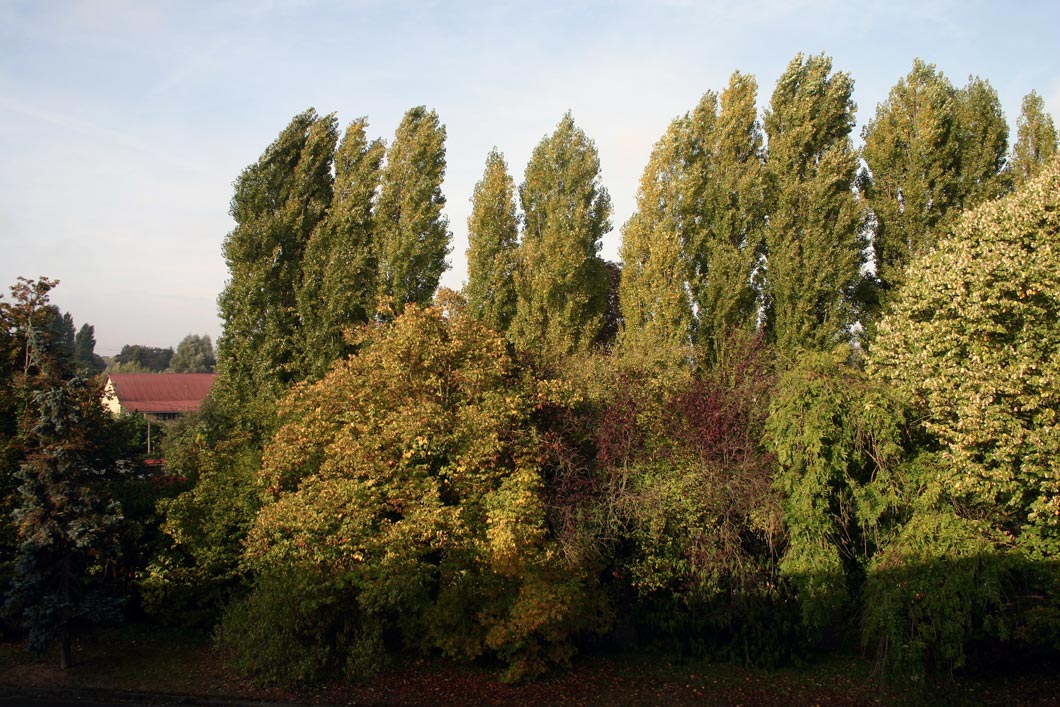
(278, 202)
(561, 282)
(412, 233)
(814, 237)
(338, 288)
(1036, 139)
(492, 232)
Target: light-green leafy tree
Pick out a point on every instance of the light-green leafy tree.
(973, 343)
(1036, 139)
(561, 282)
(657, 267)
(412, 234)
(492, 232)
(814, 237)
(338, 286)
(912, 149)
(983, 139)
(194, 354)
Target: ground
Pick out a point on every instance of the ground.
(139, 660)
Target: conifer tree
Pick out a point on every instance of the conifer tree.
(561, 282)
(278, 202)
(412, 234)
(338, 287)
(813, 237)
(1036, 139)
(492, 232)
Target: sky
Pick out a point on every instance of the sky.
(124, 123)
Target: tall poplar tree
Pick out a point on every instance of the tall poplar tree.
(813, 237)
(278, 202)
(561, 282)
(1036, 139)
(338, 287)
(730, 230)
(492, 232)
(912, 148)
(983, 139)
(654, 294)
(412, 234)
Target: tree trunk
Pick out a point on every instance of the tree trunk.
(65, 656)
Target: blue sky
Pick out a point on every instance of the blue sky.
(124, 122)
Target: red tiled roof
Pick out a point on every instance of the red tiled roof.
(161, 392)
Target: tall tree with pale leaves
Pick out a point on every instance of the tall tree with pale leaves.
(814, 236)
(1036, 139)
(561, 282)
(492, 233)
(412, 233)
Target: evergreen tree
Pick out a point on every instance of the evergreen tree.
(492, 231)
(983, 140)
(194, 354)
(561, 282)
(338, 287)
(813, 238)
(912, 147)
(1036, 139)
(412, 234)
(66, 522)
(278, 202)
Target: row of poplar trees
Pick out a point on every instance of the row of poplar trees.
(799, 240)
(777, 228)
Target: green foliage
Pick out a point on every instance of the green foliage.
(1036, 139)
(692, 248)
(149, 359)
(411, 476)
(973, 343)
(492, 233)
(913, 152)
(65, 452)
(814, 238)
(194, 354)
(84, 351)
(935, 587)
(199, 569)
(837, 436)
(338, 288)
(561, 282)
(278, 202)
(412, 235)
(983, 139)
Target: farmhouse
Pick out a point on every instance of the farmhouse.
(158, 396)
